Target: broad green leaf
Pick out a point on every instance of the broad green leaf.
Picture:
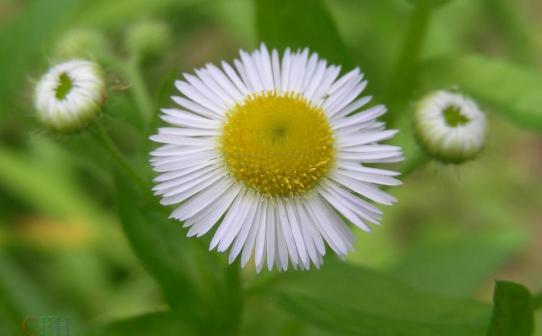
(347, 299)
(299, 24)
(263, 318)
(499, 86)
(163, 324)
(450, 269)
(192, 278)
(162, 248)
(512, 310)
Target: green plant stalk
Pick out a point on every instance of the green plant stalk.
(131, 69)
(139, 90)
(416, 160)
(116, 156)
(402, 75)
(235, 297)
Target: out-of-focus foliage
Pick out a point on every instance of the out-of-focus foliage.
(449, 268)
(351, 300)
(300, 24)
(513, 310)
(80, 238)
(509, 89)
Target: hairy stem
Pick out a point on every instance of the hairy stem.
(140, 92)
(116, 156)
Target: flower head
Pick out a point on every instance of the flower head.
(273, 154)
(450, 127)
(70, 95)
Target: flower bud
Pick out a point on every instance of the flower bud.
(450, 127)
(70, 95)
(148, 38)
(81, 43)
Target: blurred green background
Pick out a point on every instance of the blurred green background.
(453, 232)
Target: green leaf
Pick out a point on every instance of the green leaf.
(162, 248)
(347, 299)
(163, 324)
(299, 24)
(450, 269)
(192, 278)
(512, 311)
(504, 88)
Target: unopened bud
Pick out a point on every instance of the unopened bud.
(450, 127)
(70, 95)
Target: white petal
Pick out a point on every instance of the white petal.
(247, 233)
(235, 78)
(296, 232)
(344, 210)
(225, 83)
(236, 210)
(287, 233)
(363, 189)
(199, 98)
(204, 221)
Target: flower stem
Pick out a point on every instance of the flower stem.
(140, 92)
(235, 294)
(116, 156)
(403, 71)
(415, 161)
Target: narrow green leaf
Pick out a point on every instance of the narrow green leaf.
(502, 87)
(163, 324)
(512, 311)
(347, 299)
(299, 24)
(450, 269)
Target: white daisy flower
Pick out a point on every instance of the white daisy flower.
(272, 153)
(450, 127)
(70, 95)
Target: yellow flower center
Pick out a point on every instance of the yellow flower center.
(279, 145)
